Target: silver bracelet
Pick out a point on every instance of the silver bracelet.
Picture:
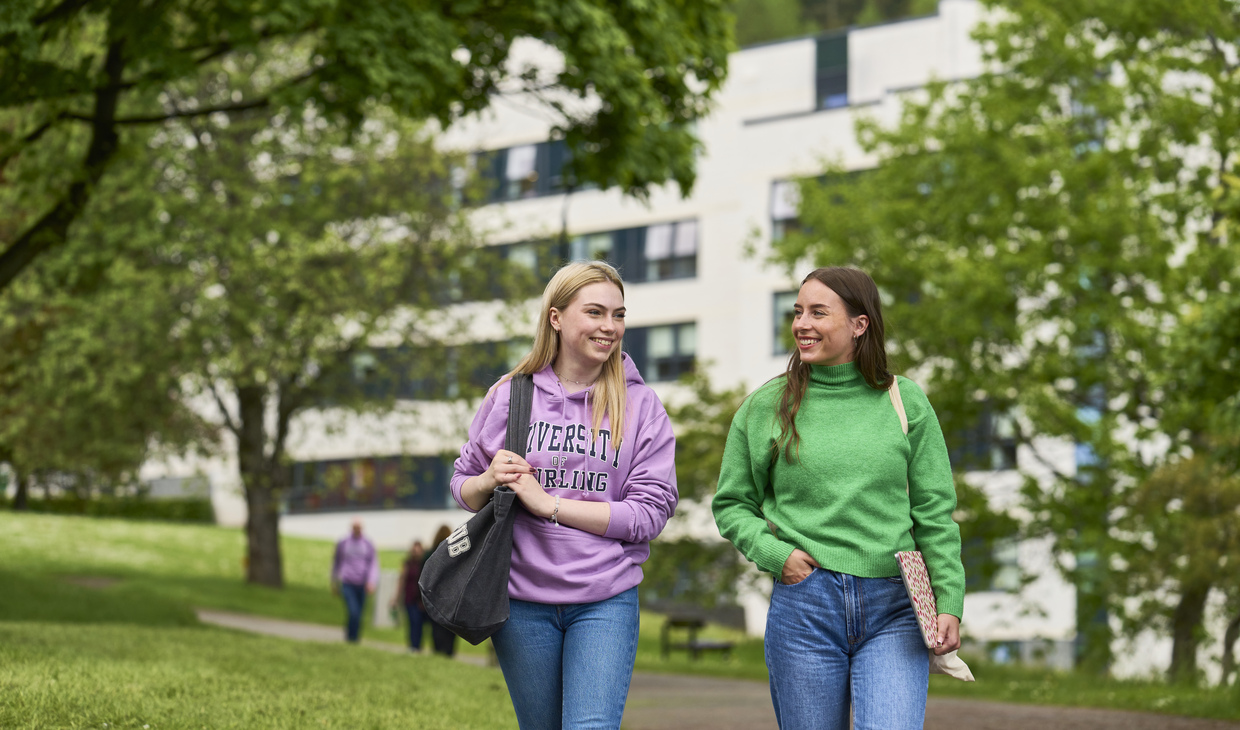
(555, 520)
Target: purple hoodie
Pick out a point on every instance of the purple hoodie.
(561, 564)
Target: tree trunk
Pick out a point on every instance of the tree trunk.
(1186, 632)
(264, 564)
(1093, 594)
(21, 497)
(1229, 645)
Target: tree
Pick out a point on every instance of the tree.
(1038, 233)
(702, 418)
(91, 384)
(296, 247)
(684, 569)
(1185, 520)
(76, 74)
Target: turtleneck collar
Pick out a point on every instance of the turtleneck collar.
(836, 375)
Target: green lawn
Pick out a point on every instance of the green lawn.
(80, 675)
(127, 650)
(192, 566)
(78, 651)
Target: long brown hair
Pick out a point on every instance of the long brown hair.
(609, 390)
(860, 296)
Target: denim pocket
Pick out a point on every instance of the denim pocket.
(780, 581)
(897, 580)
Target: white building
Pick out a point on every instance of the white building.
(697, 290)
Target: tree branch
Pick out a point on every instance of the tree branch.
(189, 113)
(181, 113)
(219, 402)
(1218, 51)
(52, 229)
(28, 139)
(1021, 437)
(66, 7)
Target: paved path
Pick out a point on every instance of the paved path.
(680, 702)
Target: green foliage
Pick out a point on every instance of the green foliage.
(635, 79)
(692, 572)
(701, 420)
(1037, 234)
(982, 530)
(130, 508)
(759, 21)
(90, 380)
(687, 570)
(769, 20)
(1184, 523)
(832, 14)
(1048, 687)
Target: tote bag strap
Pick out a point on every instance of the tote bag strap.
(519, 406)
(894, 392)
(898, 403)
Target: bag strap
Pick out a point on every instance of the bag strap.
(519, 406)
(898, 403)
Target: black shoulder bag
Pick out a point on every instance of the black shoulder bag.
(464, 583)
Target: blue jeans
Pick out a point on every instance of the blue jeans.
(569, 666)
(416, 617)
(834, 641)
(354, 601)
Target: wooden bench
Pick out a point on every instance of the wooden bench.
(692, 644)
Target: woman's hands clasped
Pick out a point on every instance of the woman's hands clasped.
(507, 468)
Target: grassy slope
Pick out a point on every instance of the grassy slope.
(164, 570)
(192, 565)
(132, 653)
(122, 676)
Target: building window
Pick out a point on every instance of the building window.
(524, 171)
(785, 208)
(660, 252)
(520, 175)
(662, 353)
(992, 565)
(832, 72)
(988, 446)
(781, 321)
(1007, 575)
(593, 247)
(671, 251)
(420, 373)
(393, 482)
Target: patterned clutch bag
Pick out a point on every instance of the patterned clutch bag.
(917, 583)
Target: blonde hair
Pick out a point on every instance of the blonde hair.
(609, 389)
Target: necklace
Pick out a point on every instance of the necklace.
(574, 382)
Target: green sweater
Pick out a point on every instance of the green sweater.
(843, 500)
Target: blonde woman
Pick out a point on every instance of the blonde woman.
(598, 483)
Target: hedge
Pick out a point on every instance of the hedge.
(168, 510)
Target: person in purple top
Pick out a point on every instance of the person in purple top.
(355, 574)
(598, 482)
